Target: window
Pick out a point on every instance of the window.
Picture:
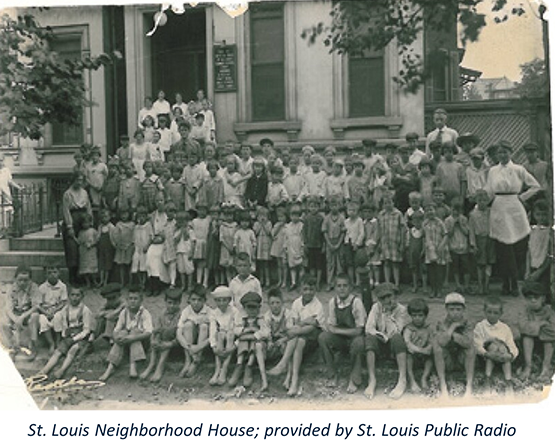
(267, 37)
(366, 85)
(68, 46)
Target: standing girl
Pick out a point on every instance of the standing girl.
(169, 254)
(155, 267)
(192, 179)
(150, 187)
(201, 226)
(211, 191)
(184, 248)
(244, 240)
(278, 246)
(263, 231)
(294, 248)
(228, 227)
(106, 249)
(232, 182)
(122, 237)
(213, 246)
(88, 258)
(143, 235)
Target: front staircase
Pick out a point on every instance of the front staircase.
(36, 250)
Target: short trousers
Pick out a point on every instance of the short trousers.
(460, 262)
(354, 345)
(454, 356)
(347, 255)
(395, 344)
(66, 343)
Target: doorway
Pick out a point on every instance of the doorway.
(178, 52)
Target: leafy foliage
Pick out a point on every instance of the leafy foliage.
(535, 80)
(358, 26)
(38, 86)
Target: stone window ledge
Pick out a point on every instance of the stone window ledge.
(291, 127)
(392, 123)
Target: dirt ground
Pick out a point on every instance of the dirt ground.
(120, 392)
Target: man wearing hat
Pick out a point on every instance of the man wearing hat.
(454, 344)
(535, 166)
(251, 331)
(442, 133)
(476, 177)
(467, 142)
(108, 315)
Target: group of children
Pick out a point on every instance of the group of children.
(236, 333)
(188, 218)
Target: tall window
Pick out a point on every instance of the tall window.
(68, 46)
(267, 62)
(367, 85)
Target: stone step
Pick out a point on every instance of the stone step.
(32, 258)
(7, 274)
(36, 244)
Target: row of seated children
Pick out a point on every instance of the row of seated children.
(236, 327)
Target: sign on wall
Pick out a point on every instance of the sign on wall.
(225, 68)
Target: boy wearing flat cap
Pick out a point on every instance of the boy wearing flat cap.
(251, 332)
(535, 166)
(467, 142)
(454, 343)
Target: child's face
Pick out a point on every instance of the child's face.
(366, 214)
(455, 211)
(277, 177)
(148, 168)
(262, 216)
(160, 203)
(285, 157)
(202, 212)
(171, 213)
(105, 217)
(388, 302)
(172, 305)
(245, 224)
(293, 165)
(196, 302)
(439, 120)
(156, 137)
(295, 216)
(176, 174)
(180, 220)
(134, 301)
(281, 217)
(23, 280)
(148, 122)
(222, 303)
(387, 203)
(329, 157)
(266, 149)
(316, 165)
(352, 211)
(455, 312)
(139, 138)
(245, 152)
(412, 144)
(243, 268)
(425, 170)
(148, 103)
(477, 162)
(368, 150)
(436, 152)
(258, 169)
(337, 170)
(184, 132)
(75, 297)
(306, 158)
(141, 218)
(430, 212)
(53, 275)
(482, 201)
(493, 313)
(414, 203)
(209, 152)
(78, 157)
(212, 170)
(87, 223)
(448, 155)
(129, 172)
(193, 160)
(95, 157)
(532, 155)
(252, 310)
(276, 305)
(418, 319)
(438, 198)
(534, 302)
(359, 169)
(230, 164)
(334, 207)
(313, 208)
(342, 288)
(308, 291)
(405, 154)
(349, 167)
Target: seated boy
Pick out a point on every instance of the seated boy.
(308, 318)
(108, 315)
(494, 341)
(344, 332)
(537, 326)
(75, 321)
(163, 335)
(384, 326)
(251, 333)
(53, 297)
(221, 333)
(22, 311)
(418, 339)
(454, 344)
(278, 318)
(244, 282)
(192, 330)
(133, 327)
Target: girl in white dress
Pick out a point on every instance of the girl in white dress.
(138, 152)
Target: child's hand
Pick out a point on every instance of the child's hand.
(382, 336)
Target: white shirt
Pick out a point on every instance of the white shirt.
(239, 288)
(220, 321)
(485, 332)
(146, 112)
(188, 314)
(301, 313)
(447, 135)
(416, 157)
(161, 107)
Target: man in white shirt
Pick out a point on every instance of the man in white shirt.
(442, 133)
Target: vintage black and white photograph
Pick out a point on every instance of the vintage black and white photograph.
(277, 204)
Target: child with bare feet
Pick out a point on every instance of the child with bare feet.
(308, 318)
(76, 322)
(344, 332)
(494, 341)
(221, 335)
(537, 326)
(53, 297)
(384, 327)
(251, 332)
(192, 330)
(453, 344)
(418, 338)
(133, 327)
(163, 336)
(278, 318)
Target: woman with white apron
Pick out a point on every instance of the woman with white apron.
(510, 185)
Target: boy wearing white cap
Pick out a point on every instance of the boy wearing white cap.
(454, 343)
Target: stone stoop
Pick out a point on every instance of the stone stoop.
(34, 252)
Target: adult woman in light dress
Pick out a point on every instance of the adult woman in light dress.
(510, 185)
(137, 152)
(75, 206)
